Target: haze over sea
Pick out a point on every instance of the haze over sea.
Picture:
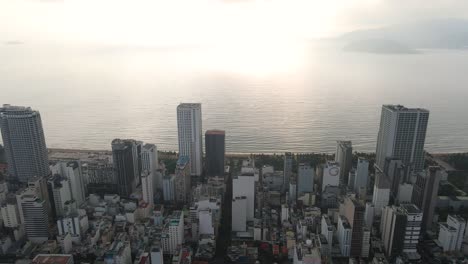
(278, 97)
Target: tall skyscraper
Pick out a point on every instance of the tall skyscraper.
(331, 174)
(344, 157)
(362, 174)
(287, 170)
(147, 187)
(305, 178)
(381, 194)
(150, 163)
(215, 151)
(72, 171)
(125, 161)
(189, 125)
(425, 194)
(24, 141)
(402, 134)
(183, 183)
(36, 219)
(354, 210)
(244, 186)
(400, 228)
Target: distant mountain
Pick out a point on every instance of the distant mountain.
(433, 34)
(382, 46)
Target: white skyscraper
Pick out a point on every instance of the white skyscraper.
(402, 134)
(239, 214)
(147, 187)
(245, 186)
(189, 124)
(362, 174)
(344, 233)
(331, 174)
(150, 162)
(173, 233)
(451, 233)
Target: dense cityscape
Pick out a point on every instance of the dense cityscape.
(136, 204)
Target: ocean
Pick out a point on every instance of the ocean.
(298, 97)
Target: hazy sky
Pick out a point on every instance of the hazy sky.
(189, 22)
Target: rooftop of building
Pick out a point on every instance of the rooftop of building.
(149, 146)
(189, 105)
(401, 108)
(215, 132)
(52, 259)
(457, 217)
(411, 208)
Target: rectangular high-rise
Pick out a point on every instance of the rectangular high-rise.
(189, 127)
(287, 170)
(215, 151)
(305, 179)
(353, 210)
(344, 157)
(400, 228)
(36, 218)
(25, 147)
(126, 167)
(402, 134)
(425, 194)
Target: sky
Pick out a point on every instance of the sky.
(198, 22)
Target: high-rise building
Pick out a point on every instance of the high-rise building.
(331, 174)
(402, 134)
(215, 151)
(9, 212)
(244, 185)
(287, 170)
(451, 233)
(173, 233)
(71, 170)
(305, 179)
(397, 172)
(239, 213)
(353, 210)
(23, 138)
(125, 161)
(344, 234)
(36, 219)
(425, 194)
(150, 163)
(327, 231)
(381, 195)
(189, 124)
(362, 174)
(60, 189)
(182, 183)
(147, 187)
(400, 229)
(169, 188)
(344, 157)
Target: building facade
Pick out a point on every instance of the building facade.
(24, 141)
(344, 157)
(189, 124)
(402, 134)
(215, 151)
(126, 168)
